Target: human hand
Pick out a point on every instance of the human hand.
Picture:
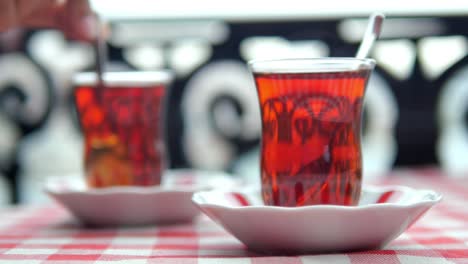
(73, 17)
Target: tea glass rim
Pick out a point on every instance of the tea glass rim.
(310, 65)
(126, 79)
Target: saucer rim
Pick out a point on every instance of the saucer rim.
(136, 190)
(432, 199)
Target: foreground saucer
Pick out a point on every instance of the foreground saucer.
(168, 203)
(382, 215)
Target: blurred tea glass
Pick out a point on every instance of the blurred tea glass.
(311, 129)
(122, 123)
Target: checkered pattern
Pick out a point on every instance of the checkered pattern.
(50, 235)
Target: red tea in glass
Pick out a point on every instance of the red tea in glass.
(311, 129)
(122, 126)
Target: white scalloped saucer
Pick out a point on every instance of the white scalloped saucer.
(168, 203)
(381, 216)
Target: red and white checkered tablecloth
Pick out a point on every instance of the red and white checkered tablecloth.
(50, 235)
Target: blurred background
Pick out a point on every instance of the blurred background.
(415, 107)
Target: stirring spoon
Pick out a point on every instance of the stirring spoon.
(373, 30)
(101, 52)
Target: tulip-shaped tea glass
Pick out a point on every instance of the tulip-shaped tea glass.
(122, 122)
(311, 129)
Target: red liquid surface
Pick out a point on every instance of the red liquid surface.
(123, 142)
(311, 149)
